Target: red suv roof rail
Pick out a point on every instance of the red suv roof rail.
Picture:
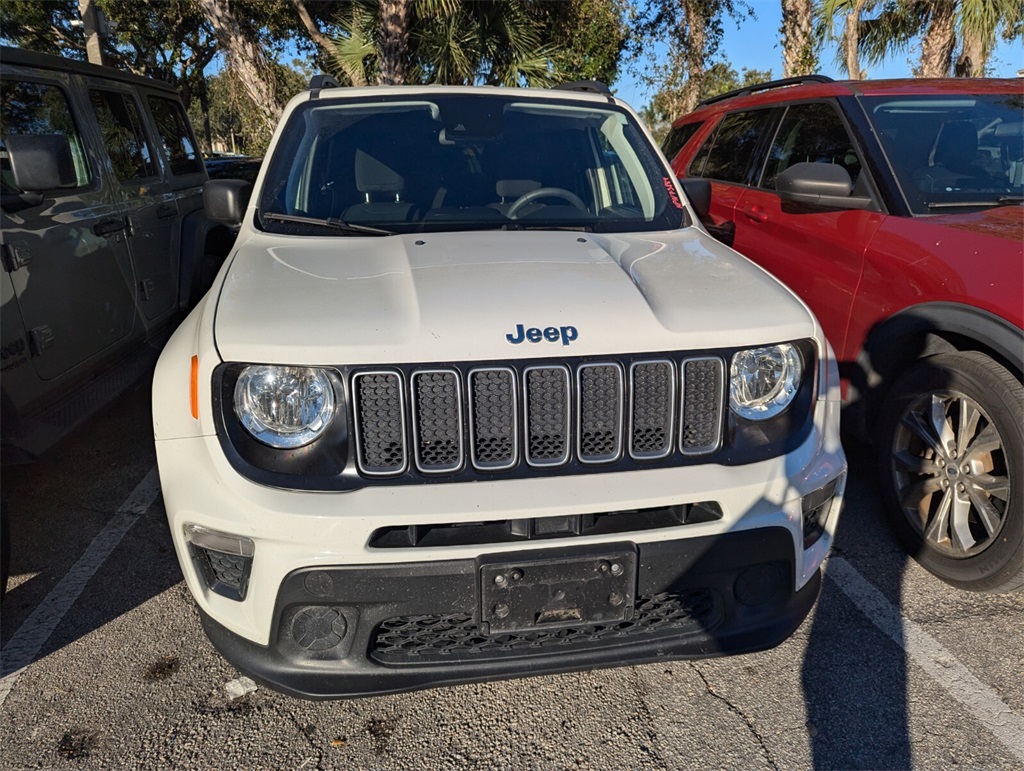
(766, 86)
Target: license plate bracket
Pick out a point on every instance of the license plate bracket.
(529, 594)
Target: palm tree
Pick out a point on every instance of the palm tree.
(443, 41)
(850, 11)
(798, 54)
(943, 27)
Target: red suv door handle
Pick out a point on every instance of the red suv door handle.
(756, 213)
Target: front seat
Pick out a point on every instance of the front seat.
(953, 159)
(382, 186)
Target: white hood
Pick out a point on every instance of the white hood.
(443, 297)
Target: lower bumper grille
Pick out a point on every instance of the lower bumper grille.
(452, 637)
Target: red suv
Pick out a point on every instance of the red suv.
(894, 209)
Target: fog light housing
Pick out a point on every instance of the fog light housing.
(223, 560)
(816, 507)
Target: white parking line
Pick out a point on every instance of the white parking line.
(952, 676)
(23, 647)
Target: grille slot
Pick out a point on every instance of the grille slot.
(546, 398)
(600, 412)
(380, 422)
(454, 636)
(492, 416)
(437, 427)
(653, 409)
(700, 430)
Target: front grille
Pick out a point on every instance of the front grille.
(456, 637)
(439, 421)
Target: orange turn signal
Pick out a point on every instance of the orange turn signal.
(194, 390)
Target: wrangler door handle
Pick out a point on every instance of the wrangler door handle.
(756, 213)
(106, 227)
(166, 210)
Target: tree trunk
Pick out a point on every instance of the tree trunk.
(797, 47)
(851, 41)
(394, 46)
(695, 43)
(973, 57)
(322, 41)
(939, 40)
(246, 59)
(204, 105)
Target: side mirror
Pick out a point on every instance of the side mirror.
(41, 161)
(698, 191)
(819, 184)
(224, 200)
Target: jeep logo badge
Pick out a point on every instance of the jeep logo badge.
(535, 335)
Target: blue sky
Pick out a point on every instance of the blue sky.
(755, 45)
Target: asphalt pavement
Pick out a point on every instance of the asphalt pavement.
(104, 663)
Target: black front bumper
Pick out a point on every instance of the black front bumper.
(362, 630)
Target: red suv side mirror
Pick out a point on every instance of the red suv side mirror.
(820, 184)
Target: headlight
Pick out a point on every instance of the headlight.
(284, 407)
(764, 381)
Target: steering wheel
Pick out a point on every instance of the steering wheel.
(544, 192)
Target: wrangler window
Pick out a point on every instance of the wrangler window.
(123, 137)
(177, 145)
(36, 108)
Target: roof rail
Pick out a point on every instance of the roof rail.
(766, 86)
(590, 86)
(322, 81)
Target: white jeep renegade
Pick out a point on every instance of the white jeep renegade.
(475, 397)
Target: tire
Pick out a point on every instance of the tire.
(951, 461)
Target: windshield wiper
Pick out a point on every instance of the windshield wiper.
(542, 226)
(328, 222)
(1006, 200)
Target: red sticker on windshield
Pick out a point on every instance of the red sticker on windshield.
(673, 196)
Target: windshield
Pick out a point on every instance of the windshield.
(953, 151)
(417, 163)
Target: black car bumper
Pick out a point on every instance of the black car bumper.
(363, 630)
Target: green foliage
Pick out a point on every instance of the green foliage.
(891, 27)
(234, 119)
(44, 27)
(515, 42)
(590, 36)
(718, 78)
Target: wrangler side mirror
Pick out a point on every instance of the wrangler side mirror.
(41, 162)
(224, 200)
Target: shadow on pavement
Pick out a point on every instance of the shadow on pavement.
(854, 675)
(59, 505)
